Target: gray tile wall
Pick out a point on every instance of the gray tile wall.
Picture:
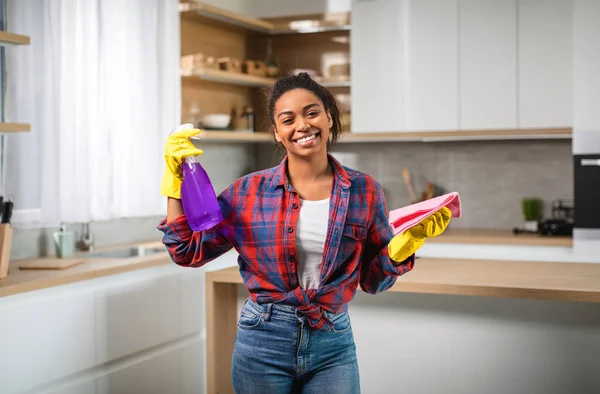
(491, 178)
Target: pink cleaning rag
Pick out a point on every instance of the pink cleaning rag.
(405, 217)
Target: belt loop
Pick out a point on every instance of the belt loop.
(269, 311)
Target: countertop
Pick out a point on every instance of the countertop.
(21, 281)
(492, 278)
(499, 237)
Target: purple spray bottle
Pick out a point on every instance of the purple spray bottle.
(198, 196)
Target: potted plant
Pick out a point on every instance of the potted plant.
(532, 212)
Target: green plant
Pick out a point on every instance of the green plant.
(532, 209)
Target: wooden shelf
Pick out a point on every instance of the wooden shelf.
(336, 84)
(204, 13)
(14, 127)
(215, 16)
(228, 77)
(234, 136)
(7, 38)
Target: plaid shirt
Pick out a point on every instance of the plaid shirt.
(260, 213)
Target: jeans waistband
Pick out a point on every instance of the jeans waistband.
(271, 309)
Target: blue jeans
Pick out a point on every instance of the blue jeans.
(276, 352)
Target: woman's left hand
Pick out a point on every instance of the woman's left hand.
(404, 245)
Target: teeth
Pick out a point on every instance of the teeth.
(306, 139)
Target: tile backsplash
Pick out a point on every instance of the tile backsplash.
(491, 176)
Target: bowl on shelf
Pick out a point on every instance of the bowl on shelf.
(216, 121)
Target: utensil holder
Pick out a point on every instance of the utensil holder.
(5, 243)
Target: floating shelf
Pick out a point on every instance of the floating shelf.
(233, 136)
(7, 38)
(312, 29)
(336, 84)
(215, 16)
(14, 127)
(228, 77)
(204, 13)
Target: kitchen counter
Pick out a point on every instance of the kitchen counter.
(20, 281)
(578, 282)
(499, 237)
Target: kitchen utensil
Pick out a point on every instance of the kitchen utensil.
(411, 192)
(216, 121)
(7, 208)
(50, 264)
(64, 242)
(430, 190)
(402, 218)
(5, 244)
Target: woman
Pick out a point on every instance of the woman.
(308, 233)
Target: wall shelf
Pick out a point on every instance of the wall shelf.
(215, 16)
(336, 84)
(7, 38)
(228, 77)
(14, 127)
(204, 13)
(232, 136)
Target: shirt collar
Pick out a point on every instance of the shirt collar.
(339, 173)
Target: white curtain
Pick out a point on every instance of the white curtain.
(103, 95)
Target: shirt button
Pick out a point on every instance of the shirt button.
(290, 230)
(295, 206)
(292, 259)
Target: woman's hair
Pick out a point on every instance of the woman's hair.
(304, 81)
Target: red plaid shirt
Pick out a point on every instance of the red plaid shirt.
(260, 213)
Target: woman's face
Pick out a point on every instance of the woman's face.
(301, 123)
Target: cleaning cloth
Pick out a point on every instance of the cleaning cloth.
(403, 218)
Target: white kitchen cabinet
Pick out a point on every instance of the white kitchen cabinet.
(192, 300)
(378, 72)
(157, 375)
(545, 63)
(88, 387)
(488, 64)
(586, 63)
(137, 314)
(432, 65)
(45, 339)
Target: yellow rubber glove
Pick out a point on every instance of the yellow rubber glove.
(177, 147)
(402, 246)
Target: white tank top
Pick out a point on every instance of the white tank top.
(310, 241)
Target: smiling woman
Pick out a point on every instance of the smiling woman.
(308, 232)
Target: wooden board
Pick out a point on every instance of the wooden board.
(50, 264)
(14, 39)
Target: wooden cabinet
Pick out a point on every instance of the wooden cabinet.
(432, 65)
(488, 64)
(378, 67)
(545, 78)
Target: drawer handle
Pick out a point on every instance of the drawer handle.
(590, 162)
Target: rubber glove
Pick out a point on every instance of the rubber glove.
(177, 147)
(404, 245)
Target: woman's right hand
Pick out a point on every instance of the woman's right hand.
(177, 147)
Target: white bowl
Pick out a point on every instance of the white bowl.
(216, 121)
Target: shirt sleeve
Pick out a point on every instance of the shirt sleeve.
(190, 248)
(378, 271)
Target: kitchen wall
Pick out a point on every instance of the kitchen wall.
(491, 176)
